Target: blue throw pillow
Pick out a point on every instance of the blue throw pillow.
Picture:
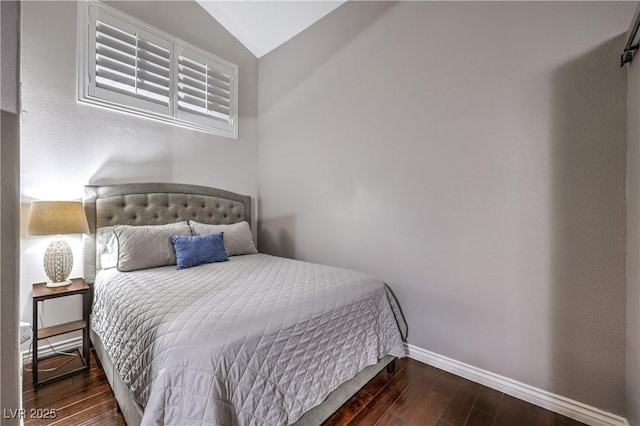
(194, 251)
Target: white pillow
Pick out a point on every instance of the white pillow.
(237, 237)
(107, 247)
(147, 246)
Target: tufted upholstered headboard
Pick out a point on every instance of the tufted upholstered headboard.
(156, 204)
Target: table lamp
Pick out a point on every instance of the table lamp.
(57, 218)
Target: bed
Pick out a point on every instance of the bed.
(255, 340)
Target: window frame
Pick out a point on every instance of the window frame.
(88, 12)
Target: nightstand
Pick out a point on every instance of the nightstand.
(42, 293)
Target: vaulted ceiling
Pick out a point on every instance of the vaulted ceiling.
(264, 25)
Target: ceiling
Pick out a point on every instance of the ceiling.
(261, 26)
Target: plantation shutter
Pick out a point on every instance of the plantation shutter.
(128, 65)
(206, 90)
(132, 67)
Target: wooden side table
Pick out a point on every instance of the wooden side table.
(42, 293)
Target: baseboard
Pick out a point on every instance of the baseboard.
(45, 350)
(556, 403)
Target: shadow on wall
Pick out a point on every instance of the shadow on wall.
(277, 236)
(588, 156)
(115, 171)
(351, 21)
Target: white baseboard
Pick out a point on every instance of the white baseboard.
(556, 403)
(45, 350)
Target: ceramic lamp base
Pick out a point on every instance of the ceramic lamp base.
(58, 261)
(60, 284)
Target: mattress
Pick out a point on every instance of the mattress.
(256, 340)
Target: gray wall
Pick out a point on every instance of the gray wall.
(633, 245)
(10, 384)
(66, 145)
(472, 155)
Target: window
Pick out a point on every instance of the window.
(126, 65)
(204, 88)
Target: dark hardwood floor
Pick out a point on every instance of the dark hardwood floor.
(84, 399)
(421, 395)
(415, 394)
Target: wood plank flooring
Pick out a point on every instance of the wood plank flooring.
(84, 399)
(421, 395)
(415, 394)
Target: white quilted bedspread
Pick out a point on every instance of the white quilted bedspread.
(257, 340)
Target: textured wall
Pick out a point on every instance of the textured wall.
(66, 145)
(472, 155)
(10, 383)
(633, 245)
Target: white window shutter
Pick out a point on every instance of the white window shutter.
(129, 65)
(206, 90)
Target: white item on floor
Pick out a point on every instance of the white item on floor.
(25, 332)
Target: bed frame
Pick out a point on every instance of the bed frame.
(159, 204)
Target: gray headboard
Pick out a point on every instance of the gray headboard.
(156, 204)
